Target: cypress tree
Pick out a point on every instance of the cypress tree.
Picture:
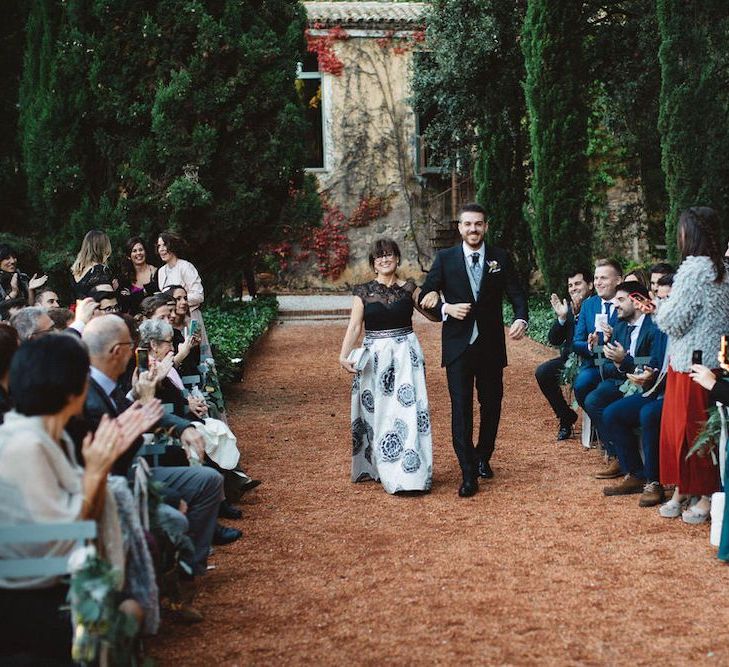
(175, 114)
(693, 107)
(471, 83)
(555, 97)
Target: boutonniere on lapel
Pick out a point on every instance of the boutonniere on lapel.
(494, 266)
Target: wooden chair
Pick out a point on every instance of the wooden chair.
(33, 533)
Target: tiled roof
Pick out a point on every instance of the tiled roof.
(387, 15)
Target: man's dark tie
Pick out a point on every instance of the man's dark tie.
(608, 308)
(476, 271)
(118, 395)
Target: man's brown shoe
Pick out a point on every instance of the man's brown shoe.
(653, 494)
(611, 471)
(630, 484)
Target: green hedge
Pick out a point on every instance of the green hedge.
(233, 327)
(541, 317)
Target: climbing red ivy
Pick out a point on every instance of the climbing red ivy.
(323, 46)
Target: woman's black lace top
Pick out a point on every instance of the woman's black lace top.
(386, 307)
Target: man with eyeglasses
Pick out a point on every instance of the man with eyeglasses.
(105, 296)
(31, 322)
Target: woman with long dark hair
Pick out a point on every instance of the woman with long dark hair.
(695, 316)
(139, 277)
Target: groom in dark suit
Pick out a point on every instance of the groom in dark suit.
(472, 279)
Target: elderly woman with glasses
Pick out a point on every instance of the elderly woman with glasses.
(391, 439)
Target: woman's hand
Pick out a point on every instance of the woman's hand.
(14, 286)
(162, 368)
(347, 365)
(430, 300)
(703, 376)
(100, 449)
(36, 282)
(458, 310)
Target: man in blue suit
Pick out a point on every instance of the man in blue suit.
(608, 275)
(632, 337)
(622, 418)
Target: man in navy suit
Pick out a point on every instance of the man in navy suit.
(631, 337)
(472, 278)
(608, 275)
(622, 418)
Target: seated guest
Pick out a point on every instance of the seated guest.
(156, 307)
(106, 297)
(632, 337)
(608, 276)
(110, 344)
(186, 346)
(31, 322)
(8, 345)
(62, 318)
(41, 481)
(639, 275)
(642, 410)
(46, 298)
(13, 283)
(657, 270)
(579, 287)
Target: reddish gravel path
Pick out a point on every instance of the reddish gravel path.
(537, 568)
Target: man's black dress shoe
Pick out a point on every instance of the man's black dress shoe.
(250, 485)
(484, 470)
(468, 488)
(565, 432)
(227, 511)
(225, 535)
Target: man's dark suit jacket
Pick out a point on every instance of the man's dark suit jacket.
(643, 347)
(560, 335)
(99, 404)
(449, 276)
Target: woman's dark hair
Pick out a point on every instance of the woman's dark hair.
(381, 247)
(698, 236)
(173, 243)
(644, 278)
(8, 345)
(666, 280)
(46, 371)
(7, 251)
(127, 266)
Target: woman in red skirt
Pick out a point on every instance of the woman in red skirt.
(695, 316)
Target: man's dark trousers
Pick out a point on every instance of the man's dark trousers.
(548, 378)
(474, 364)
(621, 419)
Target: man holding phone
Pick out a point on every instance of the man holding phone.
(632, 337)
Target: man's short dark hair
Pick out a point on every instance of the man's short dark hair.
(666, 280)
(46, 371)
(614, 263)
(8, 345)
(99, 295)
(39, 294)
(61, 317)
(633, 287)
(661, 267)
(472, 207)
(587, 276)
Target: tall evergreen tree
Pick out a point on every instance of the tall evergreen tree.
(177, 113)
(556, 78)
(693, 106)
(470, 83)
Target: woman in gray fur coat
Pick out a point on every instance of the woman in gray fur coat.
(695, 317)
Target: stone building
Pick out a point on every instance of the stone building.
(364, 137)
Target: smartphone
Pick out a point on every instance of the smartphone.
(194, 326)
(600, 319)
(643, 304)
(697, 357)
(724, 352)
(142, 355)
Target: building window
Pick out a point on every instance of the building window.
(309, 87)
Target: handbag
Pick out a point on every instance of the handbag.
(359, 357)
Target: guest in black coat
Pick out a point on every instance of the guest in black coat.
(579, 287)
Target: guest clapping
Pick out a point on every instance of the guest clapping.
(14, 284)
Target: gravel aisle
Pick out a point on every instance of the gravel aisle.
(538, 568)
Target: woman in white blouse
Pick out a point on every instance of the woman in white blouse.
(176, 271)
